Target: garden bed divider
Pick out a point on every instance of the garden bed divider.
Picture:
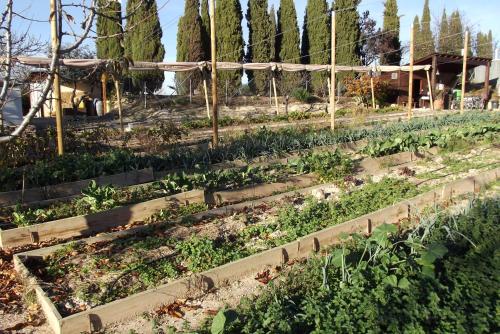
(93, 223)
(197, 284)
(62, 190)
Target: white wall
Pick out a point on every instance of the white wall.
(13, 110)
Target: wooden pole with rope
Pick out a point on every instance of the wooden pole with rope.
(332, 72)
(464, 71)
(410, 80)
(56, 86)
(213, 44)
(431, 94)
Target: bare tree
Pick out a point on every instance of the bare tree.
(8, 55)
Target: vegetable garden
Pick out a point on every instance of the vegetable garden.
(372, 207)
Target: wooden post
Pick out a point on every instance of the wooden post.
(56, 85)
(464, 71)
(119, 98)
(190, 91)
(332, 73)
(276, 96)
(431, 94)
(213, 44)
(270, 93)
(487, 85)
(410, 80)
(206, 95)
(104, 81)
(373, 91)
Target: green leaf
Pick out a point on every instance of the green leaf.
(433, 252)
(336, 258)
(404, 283)
(391, 280)
(219, 322)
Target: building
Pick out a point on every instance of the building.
(81, 89)
(12, 111)
(445, 76)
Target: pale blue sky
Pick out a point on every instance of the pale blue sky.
(482, 14)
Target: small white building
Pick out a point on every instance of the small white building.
(12, 112)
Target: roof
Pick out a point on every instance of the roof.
(445, 58)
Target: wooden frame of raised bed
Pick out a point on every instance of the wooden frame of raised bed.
(196, 285)
(88, 225)
(62, 190)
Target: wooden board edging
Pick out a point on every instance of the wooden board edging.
(198, 284)
(93, 223)
(68, 189)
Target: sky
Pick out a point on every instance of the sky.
(481, 14)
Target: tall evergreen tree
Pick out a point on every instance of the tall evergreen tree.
(391, 43)
(444, 31)
(205, 31)
(490, 46)
(273, 27)
(348, 32)
(287, 41)
(143, 42)
(316, 42)
(230, 45)
(259, 43)
(109, 23)
(456, 33)
(189, 45)
(418, 40)
(428, 45)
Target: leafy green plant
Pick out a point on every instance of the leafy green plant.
(99, 197)
(302, 95)
(388, 282)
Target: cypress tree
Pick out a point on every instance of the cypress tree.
(230, 43)
(316, 41)
(143, 42)
(109, 23)
(444, 31)
(348, 33)
(456, 33)
(428, 46)
(418, 40)
(259, 43)
(392, 44)
(287, 41)
(490, 47)
(273, 31)
(205, 31)
(189, 45)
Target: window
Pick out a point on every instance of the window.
(394, 76)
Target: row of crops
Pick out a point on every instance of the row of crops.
(241, 147)
(441, 277)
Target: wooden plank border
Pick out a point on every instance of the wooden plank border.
(87, 225)
(32, 195)
(196, 285)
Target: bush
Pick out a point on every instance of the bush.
(302, 95)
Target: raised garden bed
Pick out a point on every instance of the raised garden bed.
(62, 190)
(194, 285)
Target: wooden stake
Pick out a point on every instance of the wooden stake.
(56, 85)
(206, 96)
(215, 119)
(119, 98)
(410, 80)
(373, 92)
(332, 72)
(104, 81)
(276, 96)
(190, 91)
(431, 97)
(464, 71)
